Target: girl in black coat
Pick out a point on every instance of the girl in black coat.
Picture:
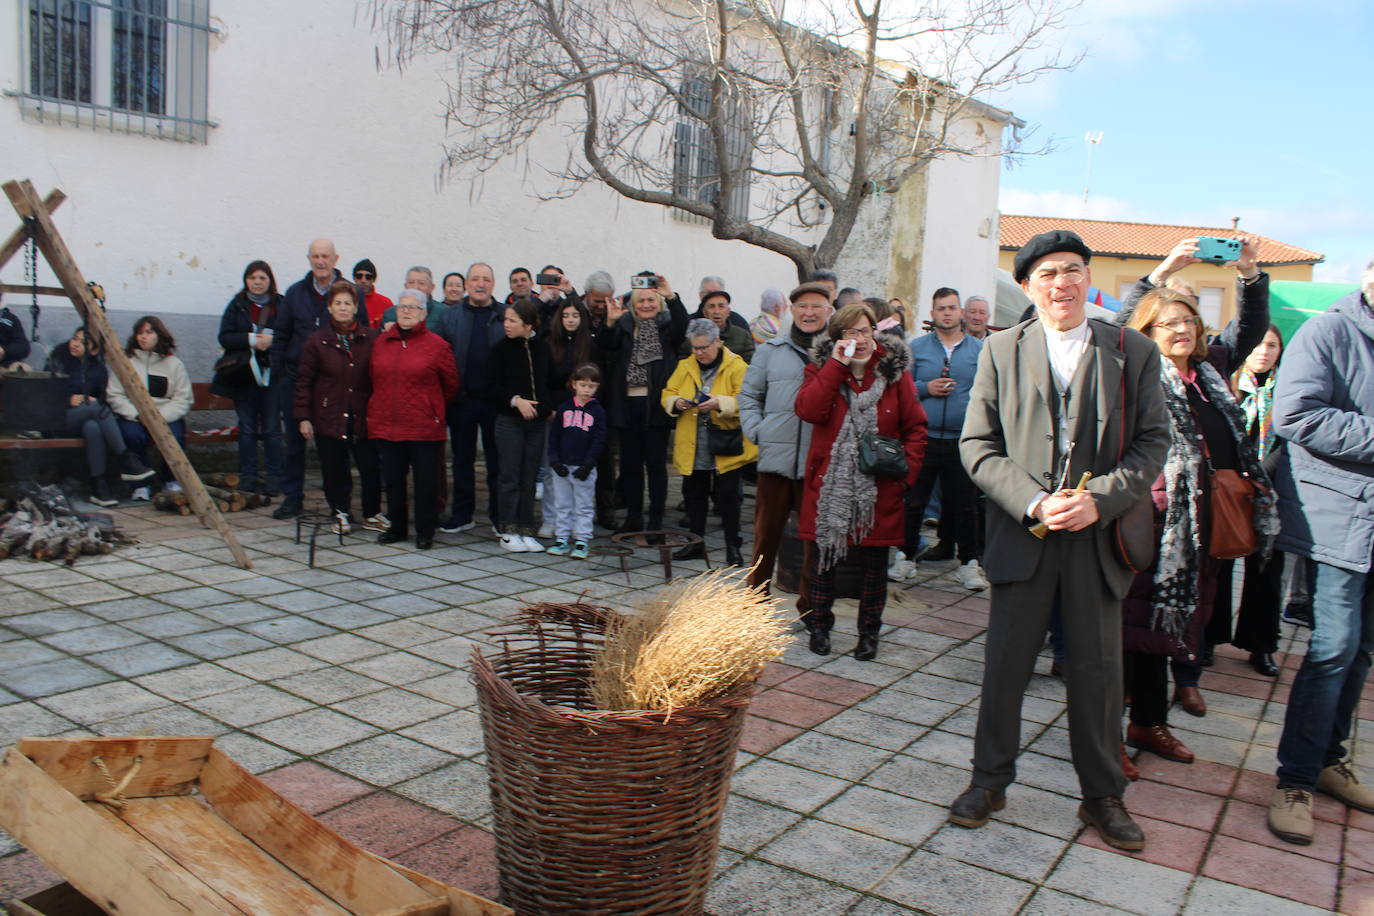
(90, 417)
(643, 341)
(243, 375)
(520, 366)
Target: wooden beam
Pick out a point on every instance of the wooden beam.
(21, 235)
(23, 290)
(25, 200)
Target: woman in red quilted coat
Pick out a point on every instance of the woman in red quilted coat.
(856, 386)
(413, 380)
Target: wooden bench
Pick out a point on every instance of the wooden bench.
(204, 401)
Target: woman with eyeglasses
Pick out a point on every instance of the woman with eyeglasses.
(1169, 605)
(414, 378)
(855, 390)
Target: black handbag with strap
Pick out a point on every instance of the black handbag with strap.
(724, 442)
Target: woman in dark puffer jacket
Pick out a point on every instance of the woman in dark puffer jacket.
(332, 387)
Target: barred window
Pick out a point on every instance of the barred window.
(696, 173)
(130, 66)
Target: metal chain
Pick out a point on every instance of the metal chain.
(31, 275)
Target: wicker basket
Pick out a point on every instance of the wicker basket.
(597, 812)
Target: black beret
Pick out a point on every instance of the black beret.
(713, 293)
(1047, 243)
(367, 265)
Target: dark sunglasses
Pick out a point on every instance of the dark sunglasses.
(363, 275)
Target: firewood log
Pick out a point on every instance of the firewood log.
(227, 480)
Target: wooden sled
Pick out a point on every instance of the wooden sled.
(163, 826)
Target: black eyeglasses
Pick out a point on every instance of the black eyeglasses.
(363, 275)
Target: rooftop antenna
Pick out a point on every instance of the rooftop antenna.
(1092, 138)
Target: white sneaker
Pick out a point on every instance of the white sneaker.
(546, 530)
(901, 568)
(341, 524)
(172, 487)
(378, 522)
(514, 543)
(532, 545)
(971, 577)
(141, 493)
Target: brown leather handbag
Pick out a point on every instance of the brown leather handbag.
(1233, 515)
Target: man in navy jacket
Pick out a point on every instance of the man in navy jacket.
(1324, 408)
(302, 312)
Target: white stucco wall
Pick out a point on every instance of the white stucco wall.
(313, 140)
(960, 247)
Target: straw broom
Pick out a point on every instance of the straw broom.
(700, 640)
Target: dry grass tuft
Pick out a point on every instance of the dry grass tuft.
(700, 640)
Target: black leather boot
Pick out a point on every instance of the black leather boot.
(975, 806)
(1263, 662)
(820, 641)
(867, 647)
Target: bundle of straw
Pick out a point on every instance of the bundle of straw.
(700, 640)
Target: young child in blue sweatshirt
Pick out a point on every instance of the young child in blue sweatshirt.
(576, 437)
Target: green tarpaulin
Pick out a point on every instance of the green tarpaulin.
(1291, 302)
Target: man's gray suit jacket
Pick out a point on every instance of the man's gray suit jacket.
(1008, 442)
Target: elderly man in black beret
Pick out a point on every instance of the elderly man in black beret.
(1058, 397)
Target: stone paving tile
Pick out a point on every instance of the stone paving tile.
(254, 754)
(340, 648)
(835, 756)
(465, 858)
(1120, 881)
(29, 720)
(191, 598)
(921, 779)
(46, 678)
(835, 853)
(456, 689)
(156, 583)
(1172, 803)
(459, 789)
(401, 634)
(786, 785)
(885, 814)
(348, 617)
(1047, 902)
(1250, 823)
(1165, 843)
(1282, 872)
(166, 720)
(219, 644)
(313, 731)
(288, 629)
(272, 663)
(143, 658)
(386, 759)
(106, 701)
(175, 623)
(458, 732)
(791, 708)
(46, 623)
(314, 788)
(328, 685)
(250, 705)
(387, 825)
(24, 603)
(438, 657)
(1210, 897)
(238, 612)
(299, 600)
(89, 640)
(393, 709)
(762, 735)
(755, 888)
(947, 887)
(20, 653)
(999, 847)
(86, 593)
(6, 698)
(747, 824)
(193, 681)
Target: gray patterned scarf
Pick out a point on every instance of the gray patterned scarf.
(844, 509)
(1176, 578)
(648, 348)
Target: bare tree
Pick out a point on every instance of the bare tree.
(772, 128)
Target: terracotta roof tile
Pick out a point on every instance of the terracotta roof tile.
(1147, 240)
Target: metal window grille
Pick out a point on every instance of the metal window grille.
(696, 173)
(128, 66)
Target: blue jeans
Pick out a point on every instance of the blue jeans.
(259, 419)
(137, 440)
(293, 470)
(1328, 685)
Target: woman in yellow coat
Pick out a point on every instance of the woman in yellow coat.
(709, 448)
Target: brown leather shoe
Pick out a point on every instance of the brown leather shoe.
(1128, 767)
(1158, 740)
(1190, 698)
(975, 806)
(1113, 824)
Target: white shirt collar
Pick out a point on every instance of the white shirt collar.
(1080, 332)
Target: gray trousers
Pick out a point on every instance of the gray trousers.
(95, 423)
(1019, 618)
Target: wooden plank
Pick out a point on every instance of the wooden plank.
(10, 247)
(25, 201)
(170, 765)
(59, 900)
(95, 856)
(9, 442)
(24, 290)
(460, 902)
(225, 859)
(355, 880)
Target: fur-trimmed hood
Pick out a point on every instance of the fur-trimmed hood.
(893, 355)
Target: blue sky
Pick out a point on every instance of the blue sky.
(1212, 109)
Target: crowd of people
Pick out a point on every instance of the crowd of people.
(1100, 477)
